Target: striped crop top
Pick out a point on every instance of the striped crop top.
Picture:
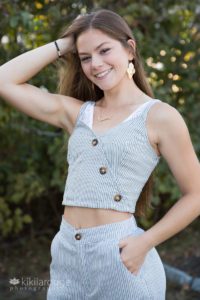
(108, 170)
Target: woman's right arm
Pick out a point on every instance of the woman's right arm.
(58, 110)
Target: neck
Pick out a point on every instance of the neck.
(124, 93)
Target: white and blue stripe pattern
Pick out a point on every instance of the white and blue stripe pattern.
(126, 153)
(90, 268)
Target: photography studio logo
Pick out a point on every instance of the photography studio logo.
(28, 284)
(14, 281)
(34, 284)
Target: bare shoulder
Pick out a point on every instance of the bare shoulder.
(163, 122)
(167, 124)
(71, 107)
(164, 116)
(175, 145)
(162, 111)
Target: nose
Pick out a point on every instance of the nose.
(96, 62)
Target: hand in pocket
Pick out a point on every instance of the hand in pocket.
(133, 251)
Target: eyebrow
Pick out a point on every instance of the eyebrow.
(81, 53)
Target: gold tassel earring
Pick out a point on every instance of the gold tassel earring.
(130, 70)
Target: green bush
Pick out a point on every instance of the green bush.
(33, 164)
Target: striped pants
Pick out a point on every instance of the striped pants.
(86, 265)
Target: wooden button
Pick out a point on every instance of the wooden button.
(103, 170)
(94, 142)
(117, 197)
(78, 236)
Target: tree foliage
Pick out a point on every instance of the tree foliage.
(33, 164)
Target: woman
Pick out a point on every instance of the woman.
(118, 132)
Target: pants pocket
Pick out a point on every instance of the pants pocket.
(137, 281)
(119, 251)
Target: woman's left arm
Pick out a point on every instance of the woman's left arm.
(175, 146)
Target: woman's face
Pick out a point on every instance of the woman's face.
(103, 59)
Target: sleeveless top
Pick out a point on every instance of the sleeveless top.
(108, 170)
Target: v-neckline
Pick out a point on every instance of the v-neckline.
(117, 125)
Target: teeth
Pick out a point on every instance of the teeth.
(103, 73)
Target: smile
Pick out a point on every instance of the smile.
(103, 74)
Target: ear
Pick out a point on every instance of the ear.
(132, 48)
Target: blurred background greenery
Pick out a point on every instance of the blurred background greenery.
(33, 165)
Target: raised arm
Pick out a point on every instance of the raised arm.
(55, 109)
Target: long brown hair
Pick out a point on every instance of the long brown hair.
(74, 83)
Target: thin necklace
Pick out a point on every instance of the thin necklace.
(100, 118)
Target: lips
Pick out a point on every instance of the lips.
(103, 74)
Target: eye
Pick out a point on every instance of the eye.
(84, 58)
(105, 50)
(102, 51)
